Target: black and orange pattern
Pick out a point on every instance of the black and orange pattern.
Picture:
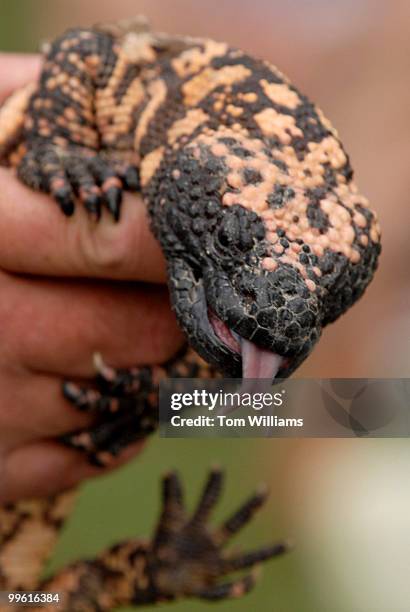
(249, 188)
(185, 557)
(267, 238)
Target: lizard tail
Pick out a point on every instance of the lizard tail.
(28, 532)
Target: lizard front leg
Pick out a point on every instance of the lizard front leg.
(125, 403)
(63, 135)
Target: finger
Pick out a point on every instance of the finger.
(45, 468)
(33, 407)
(38, 239)
(56, 327)
(17, 70)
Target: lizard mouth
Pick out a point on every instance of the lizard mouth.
(256, 362)
(224, 333)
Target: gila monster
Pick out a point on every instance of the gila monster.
(266, 237)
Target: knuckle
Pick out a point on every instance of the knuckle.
(166, 343)
(110, 249)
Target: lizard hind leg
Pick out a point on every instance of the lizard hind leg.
(184, 559)
(187, 557)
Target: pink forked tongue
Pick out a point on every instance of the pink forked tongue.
(258, 362)
(259, 368)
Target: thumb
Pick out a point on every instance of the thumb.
(36, 238)
(16, 70)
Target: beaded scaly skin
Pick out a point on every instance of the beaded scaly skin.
(267, 240)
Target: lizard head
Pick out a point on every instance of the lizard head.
(244, 319)
(251, 282)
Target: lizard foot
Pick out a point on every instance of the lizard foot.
(71, 173)
(187, 557)
(125, 407)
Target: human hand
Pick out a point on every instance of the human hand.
(66, 292)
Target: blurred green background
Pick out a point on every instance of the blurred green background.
(346, 503)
